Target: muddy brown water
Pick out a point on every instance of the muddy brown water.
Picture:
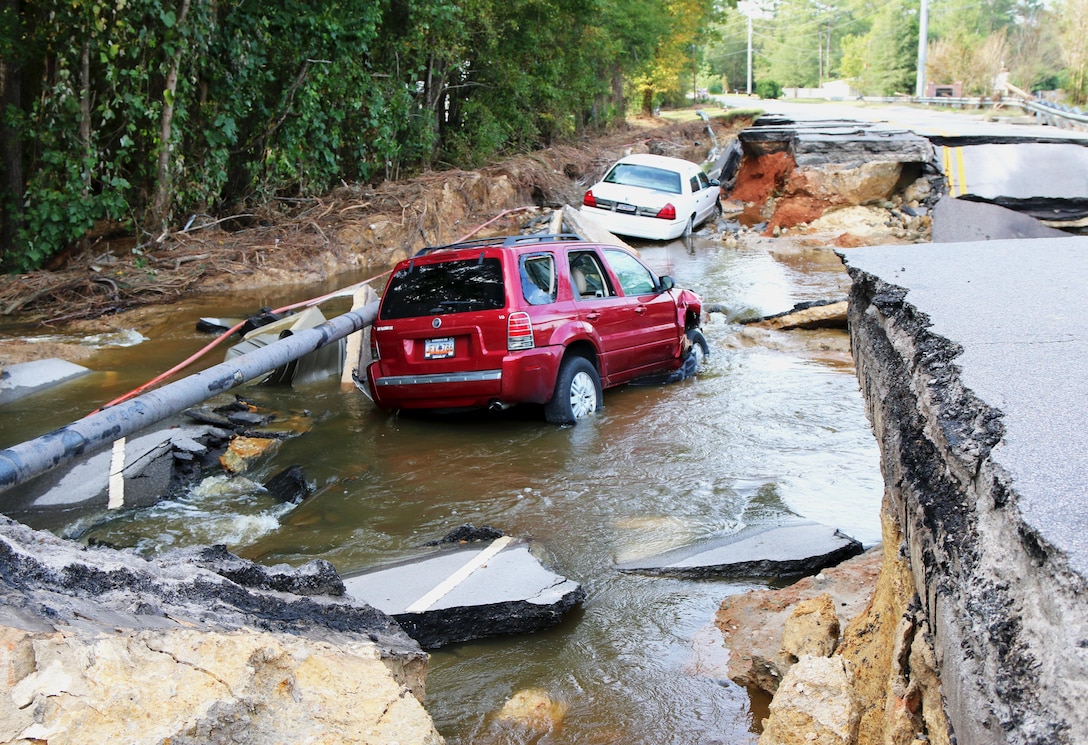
(760, 434)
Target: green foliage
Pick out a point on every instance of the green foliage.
(728, 55)
(792, 53)
(891, 64)
(768, 89)
(135, 114)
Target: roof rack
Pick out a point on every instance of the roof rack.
(507, 241)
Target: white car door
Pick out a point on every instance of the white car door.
(705, 194)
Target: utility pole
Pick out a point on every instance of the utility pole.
(923, 45)
(750, 54)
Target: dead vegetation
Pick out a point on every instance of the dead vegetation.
(294, 240)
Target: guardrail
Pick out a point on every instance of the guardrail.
(1055, 115)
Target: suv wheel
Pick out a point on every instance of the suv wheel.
(699, 347)
(577, 392)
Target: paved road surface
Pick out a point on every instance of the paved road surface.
(925, 121)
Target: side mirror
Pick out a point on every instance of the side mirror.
(715, 182)
(666, 283)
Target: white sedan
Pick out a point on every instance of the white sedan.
(654, 197)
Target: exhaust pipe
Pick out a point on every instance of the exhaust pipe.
(497, 405)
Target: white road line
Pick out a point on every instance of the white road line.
(443, 588)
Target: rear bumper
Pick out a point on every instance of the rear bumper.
(651, 228)
(524, 377)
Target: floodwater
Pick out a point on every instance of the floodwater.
(760, 434)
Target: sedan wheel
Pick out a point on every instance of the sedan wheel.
(690, 227)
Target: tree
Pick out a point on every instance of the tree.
(890, 60)
(1073, 20)
(728, 56)
(793, 52)
(1034, 51)
(683, 23)
(11, 140)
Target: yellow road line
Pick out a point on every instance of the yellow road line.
(954, 170)
(961, 172)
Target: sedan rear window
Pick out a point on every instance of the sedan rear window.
(446, 287)
(630, 174)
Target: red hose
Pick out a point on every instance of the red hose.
(218, 340)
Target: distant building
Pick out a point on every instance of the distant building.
(832, 90)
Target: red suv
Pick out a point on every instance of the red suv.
(546, 319)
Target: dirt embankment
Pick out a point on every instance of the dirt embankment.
(102, 284)
(299, 240)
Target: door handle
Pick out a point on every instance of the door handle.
(640, 309)
(593, 317)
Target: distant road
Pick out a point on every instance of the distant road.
(927, 122)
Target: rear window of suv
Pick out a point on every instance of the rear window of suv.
(461, 286)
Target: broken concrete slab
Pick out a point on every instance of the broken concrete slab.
(135, 472)
(839, 142)
(317, 365)
(756, 551)
(816, 314)
(726, 165)
(25, 378)
(962, 220)
(289, 485)
(585, 226)
(180, 653)
(469, 592)
(316, 577)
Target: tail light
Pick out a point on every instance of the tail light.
(519, 332)
(589, 200)
(668, 212)
(374, 347)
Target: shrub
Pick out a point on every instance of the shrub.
(768, 89)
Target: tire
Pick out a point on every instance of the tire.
(577, 392)
(699, 347)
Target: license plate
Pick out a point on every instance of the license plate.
(628, 208)
(438, 349)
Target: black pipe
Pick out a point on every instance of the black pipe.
(33, 457)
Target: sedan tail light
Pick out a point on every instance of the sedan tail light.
(589, 200)
(519, 332)
(668, 212)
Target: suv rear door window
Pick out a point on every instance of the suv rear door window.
(460, 286)
(538, 280)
